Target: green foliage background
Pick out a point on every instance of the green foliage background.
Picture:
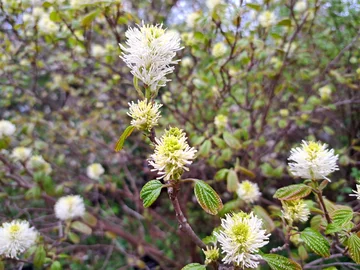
(69, 104)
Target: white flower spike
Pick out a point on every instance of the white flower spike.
(312, 161)
(16, 237)
(69, 207)
(94, 171)
(248, 191)
(145, 115)
(21, 153)
(149, 54)
(6, 128)
(296, 210)
(241, 238)
(172, 154)
(356, 192)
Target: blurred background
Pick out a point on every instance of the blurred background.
(255, 79)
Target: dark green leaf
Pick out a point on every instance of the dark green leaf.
(56, 266)
(284, 22)
(39, 257)
(88, 18)
(207, 197)
(150, 192)
(231, 141)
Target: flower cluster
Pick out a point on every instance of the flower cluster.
(172, 154)
(295, 210)
(16, 237)
(94, 171)
(356, 192)
(6, 128)
(267, 19)
(69, 207)
(38, 164)
(21, 153)
(240, 239)
(149, 54)
(145, 114)
(312, 161)
(248, 191)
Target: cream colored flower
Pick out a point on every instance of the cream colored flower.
(37, 163)
(69, 207)
(211, 4)
(312, 161)
(21, 153)
(219, 49)
(267, 18)
(6, 128)
(98, 50)
(325, 92)
(300, 6)
(145, 114)
(356, 192)
(241, 238)
(16, 237)
(94, 171)
(248, 191)
(211, 254)
(172, 154)
(295, 210)
(47, 26)
(221, 121)
(192, 19)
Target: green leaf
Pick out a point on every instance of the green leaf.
(254, 6)
(88, 18)
(205, 149)
(316, 242)
(332, 228)
(284, 22)
(194, 266)
(55, 17)
(354, 247)
(56, 266)
(74, 238)
(269, 224)
(39, 257)
(231, 141)
(277, 262)
(120, 143)
(89, 219)
(207, 197)
(150, 192)
(292, 192)
(221, 174)
(2, 266)
(232, 181)
(341, 216)
(81, 227)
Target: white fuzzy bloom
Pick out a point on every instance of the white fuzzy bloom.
(172, 154)
(6, 128)
(16, 237)
(47, 26)
(145, 115)
(98, 50)
(325, 92)
(300, 6)
(37, 163)
(221, 121)
(241, 238)
(187, 62)
(219, 49)
(94, 171)
(69, 207)
(21, 153)
(211, 4)
(296, 210)
(192, 18)
(356, 192)
(248, 191)
(149, 54)
(312, 161)
(267, 18)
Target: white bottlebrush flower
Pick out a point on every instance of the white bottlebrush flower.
(219, 49)
(37, 163)
(98, 50)
(187, 62)
(248, 191)
(21, 153)
(47, 26)
(94, 171)
(172, 154)
(325, 92)
(241, 238)
(295, 210)
(192, 18)
(16, 237)
(6, 128)
(221, 121)
(211, 4)
(312, 161)
(69, 207)
(211, 254)
(356, 192)
(300, 6)
(145, 115)
(149, 54)
(267, 18)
